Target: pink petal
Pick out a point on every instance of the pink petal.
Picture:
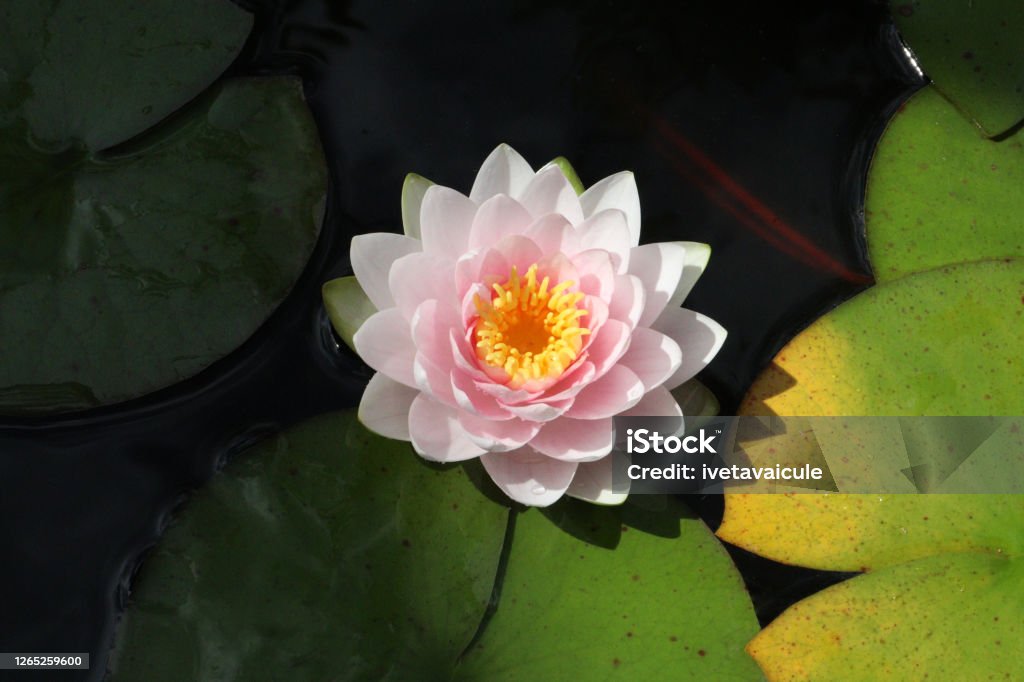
(372, 256)
(540, 412)
(593, 483)
(575, 440)
(499, 217)
(596, 273)
(433, 380)
(616, 191)
(504, 171)
(652, 356)
(699, 337)
(618, 390)
(608, 346)
(498, 436)
(515, 250)
(431, 326)
(608, 231)
(528, 476)
(436, 433)
(659, 267)
(628, 301)
(550, 192)
(474, 401)
(418, 277)
(385, 343)
(384, 408)
(554, 234)
(446, 217)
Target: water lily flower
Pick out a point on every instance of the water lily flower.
(513, 324)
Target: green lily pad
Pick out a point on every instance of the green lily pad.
(332, 553)
(941, 598)
(645, 606)
(971, 50)
(327, 553)
(939, 335)
(137, 248)
(939, 194)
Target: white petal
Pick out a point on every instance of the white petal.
(696, 259)
(699, 337)
(550, 192)
(607, 230)
(575, 440)
(499, 217)
(372, 256)
(658, 402)
(528, 476)
(504, 171)
(659, 266)
(413, 189)
(436, 433)
(385, 406)
(616, 191)
(553, 234)
(418, 277)
(593, 483)
(384, 342)
(652, 356)
(618, 390)
(445, 219)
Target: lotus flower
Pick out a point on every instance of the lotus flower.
(513, 324)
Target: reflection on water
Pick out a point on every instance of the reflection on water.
(747, 129)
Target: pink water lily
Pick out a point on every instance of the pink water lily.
(513, 324)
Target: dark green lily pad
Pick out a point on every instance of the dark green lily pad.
(334, 554)
(971, 50)
(326, 554)
(131, 256)
(661, 605)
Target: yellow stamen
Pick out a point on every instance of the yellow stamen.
(529, 331)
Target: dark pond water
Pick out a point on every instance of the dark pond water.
(748, 127)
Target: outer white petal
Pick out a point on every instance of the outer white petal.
(436, 433)
(699, 337)
(658, 402)
(550, 192)
(694, 262)
(504, 171)
(385, 406)
(445, 219)
(385, 343)
(593, 483)
(413, 189)
(660, 267)
(609, 231)
(372, 256)
(616, 191)
(528, 476)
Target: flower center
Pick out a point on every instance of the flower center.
(527, 330)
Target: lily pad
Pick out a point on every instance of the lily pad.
(668, 606)
(971, 50)
(328, 553)
(939, 335)
(941, 598)
(939, 194)
(136, 247)
(332, 553)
